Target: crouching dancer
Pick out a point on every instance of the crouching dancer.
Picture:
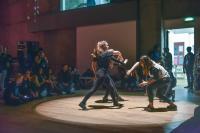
(158, 80)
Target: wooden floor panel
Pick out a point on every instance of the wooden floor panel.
(132, 113)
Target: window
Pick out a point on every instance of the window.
(73, 4)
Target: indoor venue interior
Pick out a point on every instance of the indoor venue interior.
(100, 66)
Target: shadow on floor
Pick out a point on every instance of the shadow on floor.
(154, 110)
(92, 107)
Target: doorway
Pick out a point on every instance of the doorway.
(178, 41)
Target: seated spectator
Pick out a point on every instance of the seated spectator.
(88, 73)
(131, 83)
(52, 81)
(87, 78)
(41, 61)
(28, 89)
(76, 78)
(42, 83)
(12, 94)
(65, 80)
(35, 90)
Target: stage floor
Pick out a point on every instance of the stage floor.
(131, 114)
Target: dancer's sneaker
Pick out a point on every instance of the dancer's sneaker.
(82, 105)
(121, 99)
(105, 100)
(172, 108)
(149, 109)
(118, 104)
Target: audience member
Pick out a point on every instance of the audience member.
(12, 94)
(188, 65)
(65, 79)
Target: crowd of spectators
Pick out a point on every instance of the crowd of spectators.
(34, 78)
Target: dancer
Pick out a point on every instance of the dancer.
(157, 78)
(103, 61)
(95, 67)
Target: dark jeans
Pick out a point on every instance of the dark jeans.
(103, 77)
(161, 86)
(109, 92)
(13, 102)
(190, 78)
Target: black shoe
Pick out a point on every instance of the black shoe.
(82, 105)
(149, 109)
(187, 87)
(118, 104)
(172, 108)
(104, 100)
(121, 99)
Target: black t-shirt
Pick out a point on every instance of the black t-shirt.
(189, 61)
(12, 89)
(26, 87)
(104, 59)
(65, 76)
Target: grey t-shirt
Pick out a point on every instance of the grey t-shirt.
(158, 72)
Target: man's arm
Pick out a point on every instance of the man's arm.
(94, 66)
(119, 55)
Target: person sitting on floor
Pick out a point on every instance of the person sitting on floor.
(12, 94)
(42, 83)
(28, 89)
(65, 80)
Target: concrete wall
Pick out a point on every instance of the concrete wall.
(120, 36)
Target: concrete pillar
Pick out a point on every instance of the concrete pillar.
(197, 34)
(150, 17)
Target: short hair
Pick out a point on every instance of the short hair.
(189, 49)
(166, 49)
(101, 44)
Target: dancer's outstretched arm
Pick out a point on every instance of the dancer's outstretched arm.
(133, 68)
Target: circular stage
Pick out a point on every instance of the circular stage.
(132, 113)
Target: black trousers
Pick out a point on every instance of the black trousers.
(108, 92)
(190, 78)
(159, 88)
(103, 77)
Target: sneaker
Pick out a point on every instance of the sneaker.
(121, 99)
(149, 109)
(82, 105)
(118, 104)
(172, 108)
(104, 100)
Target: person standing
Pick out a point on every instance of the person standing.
(155, 54)
(102, 74)
(167, 60)
(188, 65)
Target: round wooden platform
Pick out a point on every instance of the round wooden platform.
(132, 113)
